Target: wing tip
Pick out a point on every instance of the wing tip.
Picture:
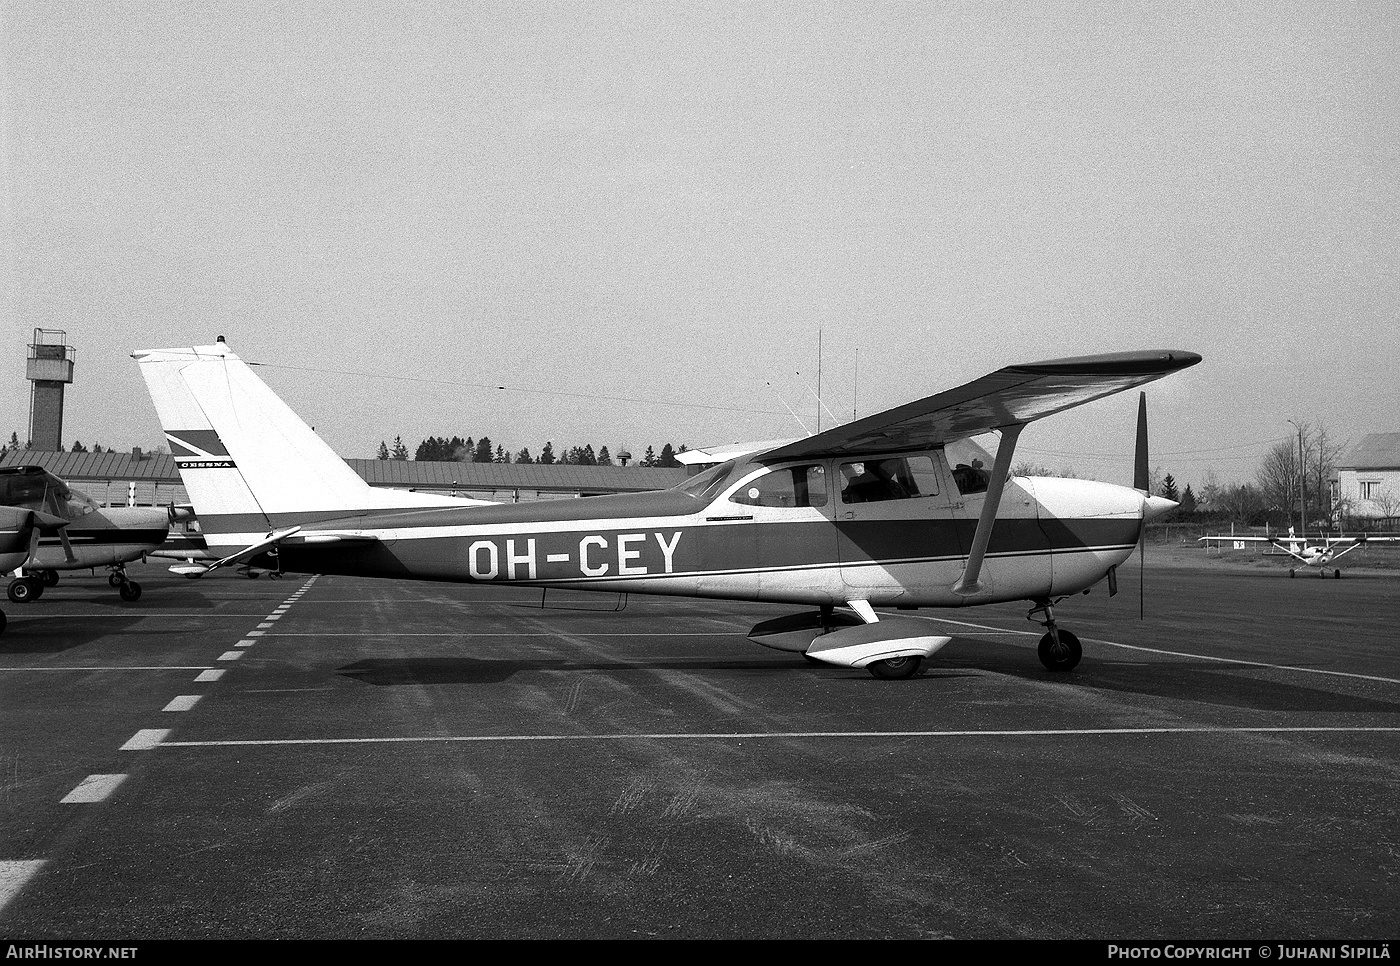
(1157, 361)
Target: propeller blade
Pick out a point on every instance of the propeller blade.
(1141, 482)
(1140, 472)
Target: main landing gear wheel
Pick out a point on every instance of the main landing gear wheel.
(895, 668)
(115, 579)
(130, 590)
(49, 577)
(1062, 655)
(24, 589)
(1336, 575)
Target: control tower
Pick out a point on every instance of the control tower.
(50, 369)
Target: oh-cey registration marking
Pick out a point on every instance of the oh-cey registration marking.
(624, 555)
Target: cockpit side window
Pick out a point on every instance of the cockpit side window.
(893, 478)
(790, 486)
(970, 465)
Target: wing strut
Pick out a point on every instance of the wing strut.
(970, 584)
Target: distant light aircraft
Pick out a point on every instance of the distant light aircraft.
(1306, 552)
(873, 513)
(71, 532)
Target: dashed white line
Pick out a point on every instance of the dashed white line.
(14, 873)
(230, 655)
(145, 739)
(182, 703)
(93, 788)
(211, 675)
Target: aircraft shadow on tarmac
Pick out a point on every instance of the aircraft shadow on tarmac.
(471, 670)
(32, 633)
(1178, 680)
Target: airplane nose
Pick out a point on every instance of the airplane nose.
(1155, 506)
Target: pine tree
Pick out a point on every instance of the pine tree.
(78, 447)
(524, 456)
(484, 451)
(604, 457)
(1188, 500)
(501, 455)
(668, 457)
(1168, 489)
(400, 451)
(650, 458)
(547, 455)
(383, 453)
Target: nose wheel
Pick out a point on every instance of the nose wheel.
(1059, 650)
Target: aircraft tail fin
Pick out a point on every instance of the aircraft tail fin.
(249, 463)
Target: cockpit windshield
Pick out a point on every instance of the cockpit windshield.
(35, 489)
(706, 485)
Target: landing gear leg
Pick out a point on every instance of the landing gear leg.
(1058, 650)
(129, 589)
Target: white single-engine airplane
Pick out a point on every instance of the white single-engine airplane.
(1309, 554)
(879, 512)
(71, 532)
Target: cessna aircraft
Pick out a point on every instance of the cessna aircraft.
(16, 532)
(878, 512)
(1317, 555)
(71, 532)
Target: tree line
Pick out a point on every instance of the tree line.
(458, 450)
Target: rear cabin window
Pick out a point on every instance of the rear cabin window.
(895, 478)
(791, 486)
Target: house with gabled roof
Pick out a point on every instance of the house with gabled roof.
(1368, 477)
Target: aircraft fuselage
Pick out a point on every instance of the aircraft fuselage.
(1051, 537)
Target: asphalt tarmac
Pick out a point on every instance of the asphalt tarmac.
(314, 758)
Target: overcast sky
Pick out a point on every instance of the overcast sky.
(643, 217)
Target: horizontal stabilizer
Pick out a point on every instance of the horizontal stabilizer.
(892, 637)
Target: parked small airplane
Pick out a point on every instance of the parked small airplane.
(71, 532)
(875, 513)
(1306, 552)
(16, 533)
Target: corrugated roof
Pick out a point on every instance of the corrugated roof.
(97, 466)
(160, 467)
(1377, 451)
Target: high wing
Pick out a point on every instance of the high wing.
(1005, 400)
(1008, 397)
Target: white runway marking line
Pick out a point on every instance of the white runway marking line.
(1194, 657)
(245, 643)
(93, 788)
(146, 739)
(230, 655)
(183, 703)
(14, 873)
(783, 735)
(207, 676)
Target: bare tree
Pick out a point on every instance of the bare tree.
(1280, 481)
